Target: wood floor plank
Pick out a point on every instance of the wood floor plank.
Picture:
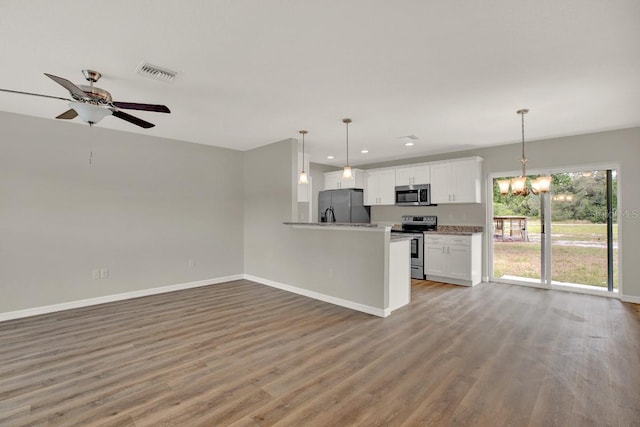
(244, 354)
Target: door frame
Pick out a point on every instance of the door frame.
(545, 282)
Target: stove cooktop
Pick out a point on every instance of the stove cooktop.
(411, 223)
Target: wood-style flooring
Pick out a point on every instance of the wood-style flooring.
(244, 354)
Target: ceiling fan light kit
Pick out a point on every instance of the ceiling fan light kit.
(89, 113)
(92, 104)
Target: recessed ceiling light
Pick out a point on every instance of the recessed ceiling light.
(330, 157)
(365, 151)
(408, 144)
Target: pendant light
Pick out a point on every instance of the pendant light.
(304, 179)
(346, 172)
(541, 184)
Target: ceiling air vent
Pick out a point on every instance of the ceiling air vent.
(155, 72)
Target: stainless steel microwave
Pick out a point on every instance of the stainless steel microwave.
(413, 195)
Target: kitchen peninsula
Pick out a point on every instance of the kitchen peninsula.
(359, 266)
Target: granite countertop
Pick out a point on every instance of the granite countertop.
(465, 230)
(442, 229)
(334, 224)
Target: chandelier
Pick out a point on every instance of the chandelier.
(541, 184)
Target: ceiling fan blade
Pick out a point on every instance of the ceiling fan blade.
(145, 107)
(131, 119)
(35, 94)
(68, 115)
(75, 90)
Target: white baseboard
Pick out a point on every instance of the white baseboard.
(112, 298)
(322, 297)
(628, 298)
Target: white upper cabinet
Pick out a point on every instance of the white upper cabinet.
(414, 174)
(456, 181)
(334, 181)
(379, 188)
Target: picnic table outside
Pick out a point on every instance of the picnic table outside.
(517, 227)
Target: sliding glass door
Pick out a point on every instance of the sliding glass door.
(517, 254)
(580, 222)
(564, 239)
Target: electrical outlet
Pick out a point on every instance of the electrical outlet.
(95, 274)
(192, 262)
(104, 273)
(331, 273)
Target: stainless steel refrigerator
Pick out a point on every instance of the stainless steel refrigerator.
(342, 206)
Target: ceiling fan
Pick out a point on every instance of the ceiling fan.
(93, 104)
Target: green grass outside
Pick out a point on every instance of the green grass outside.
(575, 232)
(585, 265)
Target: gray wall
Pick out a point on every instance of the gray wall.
(620, 147)
(328, 262)
(147, 205)
(142, 209)
(270, 176)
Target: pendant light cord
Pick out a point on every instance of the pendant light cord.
(347, 143)
(303, 133)
(346, 122)
(523, 160)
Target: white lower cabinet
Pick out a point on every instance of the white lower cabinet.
(453, 258)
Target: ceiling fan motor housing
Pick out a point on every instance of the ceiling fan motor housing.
(96, 95)
(91, 76)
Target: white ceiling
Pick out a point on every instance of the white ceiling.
(252, 72)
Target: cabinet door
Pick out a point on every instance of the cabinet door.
(332, 180)
(404, 176)
(421, 174)
(441, 183)
(387, 187)
(347, 183)
(434, 260)
(465, 176)
(371, 188)
(459, 262)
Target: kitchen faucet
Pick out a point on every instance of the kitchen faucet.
(333, 214)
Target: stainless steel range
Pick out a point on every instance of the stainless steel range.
(415, 226)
